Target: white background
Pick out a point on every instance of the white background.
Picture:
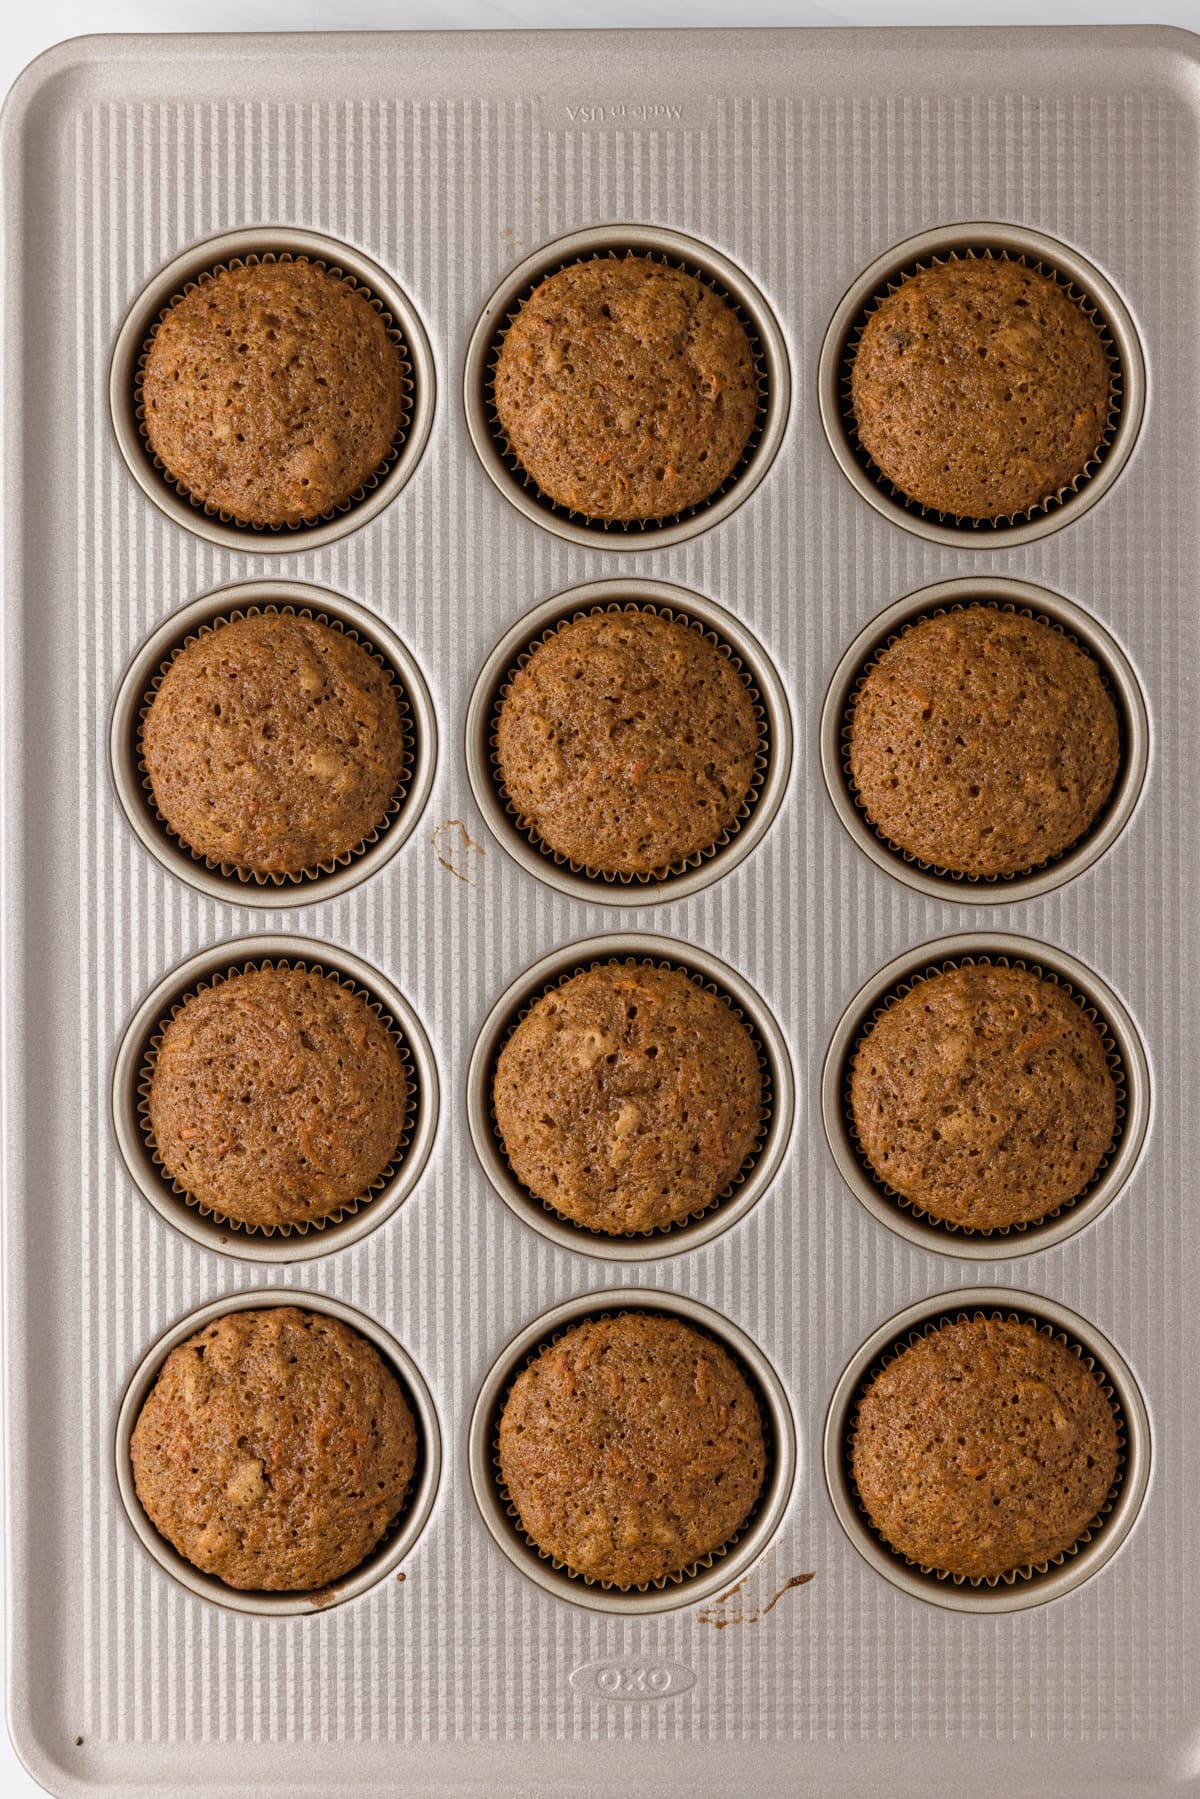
(30, 29)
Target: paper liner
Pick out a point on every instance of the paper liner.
(998, 881)
(395, 805)
(301, 1227)
(372, 481)
(766, 1117)
(703, 1562)
(1113, 1057)
(1051, 502)
(1031, 1570)
(627, 527)
(761, 759)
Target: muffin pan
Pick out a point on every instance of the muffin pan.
(798, 175)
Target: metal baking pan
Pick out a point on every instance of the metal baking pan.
(784, 166)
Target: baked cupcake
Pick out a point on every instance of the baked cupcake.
(983, 742)
(985, 1448)
(274, 745)
(626, 389)
(272, 391)
(274, 1449)
(276, 1098)
(980, 388)
(629, 1098)
(627, 743)
(632, 1448)
(984, 1096)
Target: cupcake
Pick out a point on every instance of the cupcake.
(276, 1098)
(629, 1098)
(984, 1096)
(627, 743)
(274, 745)
(980, 388)
(626, 389)
(274, 1449)
(272, 391)
(632, 1448)
(986, 1447)
(983, 742)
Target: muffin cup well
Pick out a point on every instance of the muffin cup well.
(1085, 286)
(677, 251)
(773, 762)
(141, 681)
(1006, 595)
(400, 1536)
(203, 261)
(284, 1243)
(1126, 1058)
(711, 1572)
(759, 1168)
(1022, 1587)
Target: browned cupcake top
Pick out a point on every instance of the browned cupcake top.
(626, 388)
(985, 1447)
(980, 388)
(631, 1448)
(272, 391)
(628, 1098)
(274, 744)
(984, 1096)
(983, 742)
(277, 1097)
(274, 1449)
(627, 742)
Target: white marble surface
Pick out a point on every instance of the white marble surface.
(30, 30)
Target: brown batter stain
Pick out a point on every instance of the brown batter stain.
(322, 1597)
(721, 1619)
(402, 1576)
(456, 851)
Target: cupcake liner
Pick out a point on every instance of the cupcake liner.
(366, 487)
(232, 871)
(1113, 1057)
(999, 881)
(698, 857)
(766, 1117)
(702, 1563)
(627, 527)
(302, 1227)
(1028, 1571)
(1050, 502)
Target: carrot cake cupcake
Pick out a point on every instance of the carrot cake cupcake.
(628, 1098)
(984, 1096)
(627, 743)
(632, 1448)
(985, 1447)
(983, 742)
(272, 391)
(979, 388)
(274, 744)
(276, 1098)
(274, 1449)
(626, 389)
